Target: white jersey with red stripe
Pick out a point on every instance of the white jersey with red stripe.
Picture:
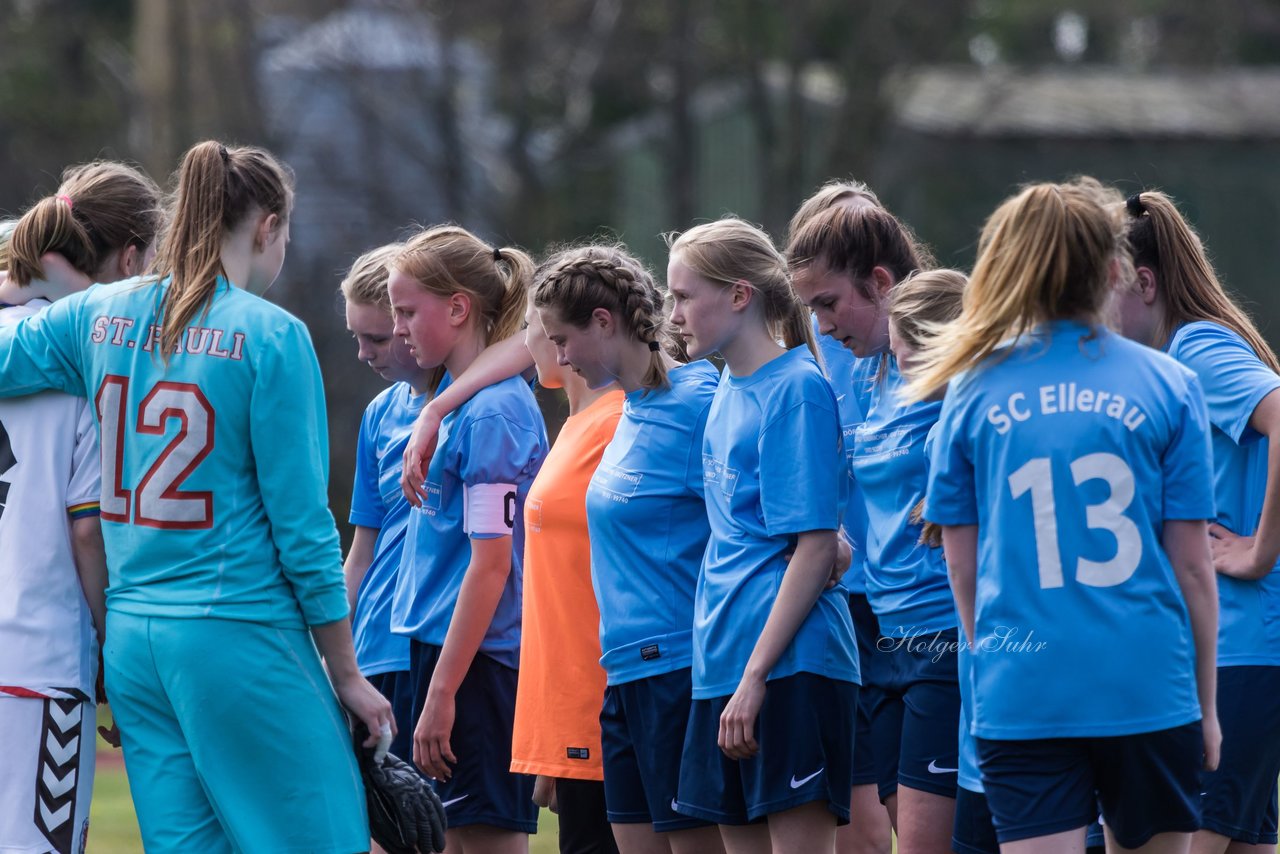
(49, 474)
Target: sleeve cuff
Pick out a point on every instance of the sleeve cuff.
(792, 527)
(1189, 514)
(366, 520)
(949, 517)
(1241, 433)
(326, 608)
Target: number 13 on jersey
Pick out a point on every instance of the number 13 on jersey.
(1036, 476)
(157, 500)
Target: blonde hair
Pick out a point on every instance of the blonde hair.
(1043, 255)
(731, 250)
(366, 282)
(448, 259)
(925, 302)
(919, 308)
(1162, 240)
(575, 282)
(218, 187)
(99, 208)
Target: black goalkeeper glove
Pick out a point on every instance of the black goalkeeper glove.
(405, 814)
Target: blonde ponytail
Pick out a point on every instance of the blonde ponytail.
(448, 259)
(516, 269)
(1044, 255)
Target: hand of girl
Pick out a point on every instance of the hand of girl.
(431, 750)
(544, 793)
(844, 558)
(417, 455)
(365, 702)
(1212, 741)
(1234, 555)
(58, 271)
(111, 734)
(738, 720)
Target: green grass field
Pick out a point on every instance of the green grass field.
(113, 829)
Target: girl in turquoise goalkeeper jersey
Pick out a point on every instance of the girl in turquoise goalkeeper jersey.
(225, 570)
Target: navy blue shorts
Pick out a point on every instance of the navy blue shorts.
(866, 629)
(1238, 800)
(642, 729)
(397, 687)
(974, 832)
(482, 789)
(805, 734)
(1145, 784)
(916, 717)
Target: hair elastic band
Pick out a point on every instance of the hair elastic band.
(497, 254)
(655, 346)
(66, 199)
(226, 155)
(1134, 205)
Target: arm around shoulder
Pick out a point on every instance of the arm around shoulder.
(43, 352)
(498, 362)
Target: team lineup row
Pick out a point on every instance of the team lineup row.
(932, 553)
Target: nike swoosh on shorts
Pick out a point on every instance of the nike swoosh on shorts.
(795, 784)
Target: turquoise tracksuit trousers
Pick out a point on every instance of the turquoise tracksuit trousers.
(233, 739)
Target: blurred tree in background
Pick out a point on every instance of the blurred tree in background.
(537, 121)
(143, 79)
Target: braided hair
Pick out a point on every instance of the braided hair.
(575, 282)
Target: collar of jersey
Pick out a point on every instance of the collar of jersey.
(223, 283)
(769, 368)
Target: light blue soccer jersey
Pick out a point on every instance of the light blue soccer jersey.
(496, 437)
(851, 382)
(773, 467)
(968, 776)
(378, 502)
(1235, 381)
(214, 467)
(1069, 453)
(907, 582)
(648, 526)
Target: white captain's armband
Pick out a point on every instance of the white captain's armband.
(489, 508)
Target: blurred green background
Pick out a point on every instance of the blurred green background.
(536, 122)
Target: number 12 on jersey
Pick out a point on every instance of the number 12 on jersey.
(156, 501)
(1036, 477)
